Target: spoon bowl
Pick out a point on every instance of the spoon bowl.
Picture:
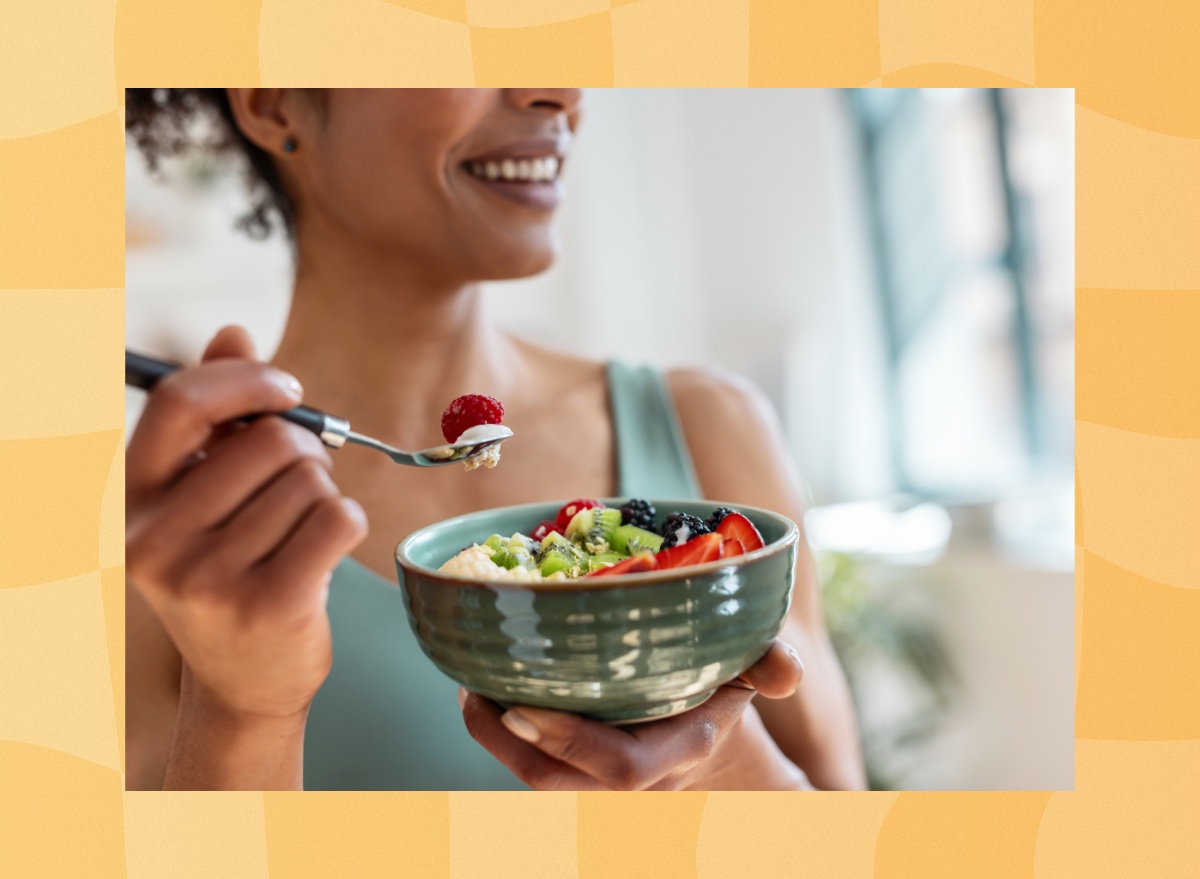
(438, 456)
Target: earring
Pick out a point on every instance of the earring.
(289, 145)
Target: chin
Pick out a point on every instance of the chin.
(521, 263)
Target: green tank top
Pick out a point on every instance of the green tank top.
(386, 718)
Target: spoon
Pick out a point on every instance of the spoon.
(145, 372)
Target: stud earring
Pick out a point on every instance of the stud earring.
(289, 145)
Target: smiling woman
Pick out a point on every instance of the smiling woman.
(268, 646)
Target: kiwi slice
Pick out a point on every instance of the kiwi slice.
(500, 554)
(560, 554)
(512, 552)
(525, 550)
(631, 539)
(604, 559)
(594, 528)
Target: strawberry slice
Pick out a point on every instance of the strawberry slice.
(635, 564)
(567, 513)
(697, 551)
(732, 547)
(540, 532)
(735, 526)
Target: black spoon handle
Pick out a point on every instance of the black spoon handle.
(145, 372)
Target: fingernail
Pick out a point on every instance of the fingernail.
(795, 657)
(520, 726)
(462, 698)
(290, 384)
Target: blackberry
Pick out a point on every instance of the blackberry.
(719, 514)
(640, 513)
(677, 522)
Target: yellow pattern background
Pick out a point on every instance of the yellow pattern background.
(1135, 810)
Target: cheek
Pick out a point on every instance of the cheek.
(383, 189)
(388, 180)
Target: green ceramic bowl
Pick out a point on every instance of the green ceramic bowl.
(620, 649)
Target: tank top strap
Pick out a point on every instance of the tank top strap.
(652, 455)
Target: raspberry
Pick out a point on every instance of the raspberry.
(567, 513)
(638, 512)
(719, 514)
(676, 524)
(466, 412)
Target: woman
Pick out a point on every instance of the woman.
(261, 653)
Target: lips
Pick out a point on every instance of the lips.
(525, 173)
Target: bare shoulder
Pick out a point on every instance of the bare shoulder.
(719, 394)
(735, 438)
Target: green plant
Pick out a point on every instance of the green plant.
(887, 641)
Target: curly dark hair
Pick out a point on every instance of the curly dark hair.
(171, 122)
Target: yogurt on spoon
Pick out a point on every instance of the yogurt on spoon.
(489, 457)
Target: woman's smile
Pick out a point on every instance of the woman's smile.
(524, 172)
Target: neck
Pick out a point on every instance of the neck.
(378, 341)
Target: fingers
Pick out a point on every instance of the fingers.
(639, 757)
(539, 771)
(778, 673)
(184, 407)
(607, 754)
(329, 530)
(633, 759)
(236, 468)
(258, 529)
(231, 341)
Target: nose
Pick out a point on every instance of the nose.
(551, 100)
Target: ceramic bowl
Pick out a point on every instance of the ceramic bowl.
(619, 649)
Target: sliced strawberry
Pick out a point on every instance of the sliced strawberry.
(697, 551)
(732, 547)
(735, 526)
(567, 513)
(635, 564)
(540, 532)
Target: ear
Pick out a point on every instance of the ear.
(267, 117)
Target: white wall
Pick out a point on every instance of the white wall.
(724, 228)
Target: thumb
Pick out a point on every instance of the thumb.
(230, 342)
(778, 673)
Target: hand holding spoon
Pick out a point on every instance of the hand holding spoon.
(144, 372)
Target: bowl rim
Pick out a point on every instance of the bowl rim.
(790, 538)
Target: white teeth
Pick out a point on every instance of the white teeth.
(544, 168)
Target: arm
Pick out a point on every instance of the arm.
(230, 534)
(152, 670)
(217, 749)
(816, 727)
(179, 739)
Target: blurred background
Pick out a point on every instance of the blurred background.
(895, 269)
